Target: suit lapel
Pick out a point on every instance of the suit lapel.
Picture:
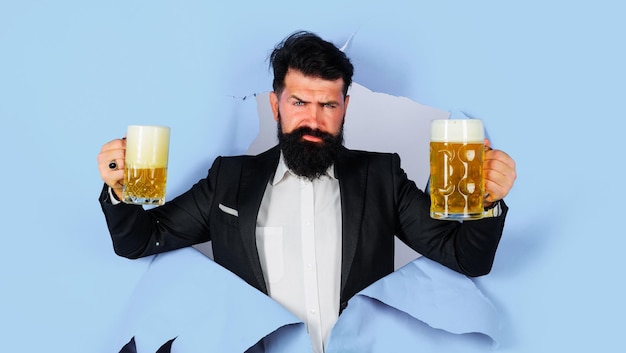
(351, 171)
(256, 173)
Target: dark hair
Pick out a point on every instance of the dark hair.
(312, 56)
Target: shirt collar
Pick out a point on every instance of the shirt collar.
(282, 170)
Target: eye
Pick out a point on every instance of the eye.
(330, 105)
(298, 103)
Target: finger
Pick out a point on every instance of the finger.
(498, 155)
(111, 162)
(114, 145)
(112, 150)
(500, 174)
(112, 177)
(494, 191)
(497, 185)
(115, 164)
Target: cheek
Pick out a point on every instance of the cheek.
(287, 122)
(293, 118)
(287, 125)
(335, 124)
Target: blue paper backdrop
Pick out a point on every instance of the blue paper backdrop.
(546, 77)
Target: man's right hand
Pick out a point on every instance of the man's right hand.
(112, 155)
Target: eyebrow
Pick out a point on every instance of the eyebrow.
(293, 96)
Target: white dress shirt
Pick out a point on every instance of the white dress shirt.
(298, 237)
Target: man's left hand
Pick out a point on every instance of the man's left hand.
(500, 174)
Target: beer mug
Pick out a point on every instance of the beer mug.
(145, 166)
(457, 186)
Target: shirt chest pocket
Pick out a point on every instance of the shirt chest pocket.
(269, 241)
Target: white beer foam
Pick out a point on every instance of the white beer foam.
(457, 130)
(154, 142)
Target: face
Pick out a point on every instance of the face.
(310, 102)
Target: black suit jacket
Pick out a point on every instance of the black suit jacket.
(378, 201)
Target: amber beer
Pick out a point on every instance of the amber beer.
(145, 168)
(457, 185)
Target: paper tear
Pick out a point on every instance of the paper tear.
(345, 46)
(424, 306)
(253, 95)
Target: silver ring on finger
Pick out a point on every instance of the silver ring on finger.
(113, 165)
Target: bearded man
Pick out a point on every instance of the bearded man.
(308, 222)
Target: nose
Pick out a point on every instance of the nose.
(314, 117)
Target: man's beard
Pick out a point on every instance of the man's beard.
(305, 158)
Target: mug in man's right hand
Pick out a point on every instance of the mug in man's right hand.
(145, 165)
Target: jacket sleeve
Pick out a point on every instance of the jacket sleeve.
(467, 247)
(181, 222)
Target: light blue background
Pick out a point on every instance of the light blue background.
(547, 78)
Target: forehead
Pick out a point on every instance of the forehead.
(296, 83)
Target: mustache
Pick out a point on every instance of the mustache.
(305, 130)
